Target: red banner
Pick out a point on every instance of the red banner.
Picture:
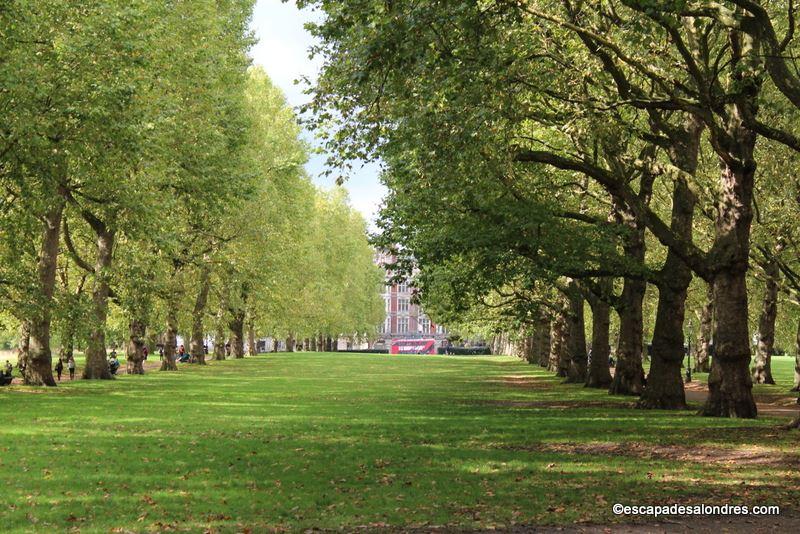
(413, 346)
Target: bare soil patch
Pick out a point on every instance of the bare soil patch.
(521, 381)
(751, 455)
(558, 404)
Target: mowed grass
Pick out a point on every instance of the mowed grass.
(292, 441)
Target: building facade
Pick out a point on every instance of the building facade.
(404, 319)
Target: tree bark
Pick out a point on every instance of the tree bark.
(197, 342)
(219, 337)
(236, 330)
(598, 374)
(39, 368)
(543, 340)
(558, 339)
(557, 326)
(628, 372)
(762, 370)
(170, 342)
(314, 343)
(290, 343)
(797, 359)
(134, 353)
(23, 346)
(664, 387)
(251, 338)
(702, 355)
(96, 357)
(576, 371)
(729, 383)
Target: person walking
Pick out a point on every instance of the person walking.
(71, 367)
(59, 369)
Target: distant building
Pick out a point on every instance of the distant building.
(404, 319)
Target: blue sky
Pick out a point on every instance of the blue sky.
(283, 52)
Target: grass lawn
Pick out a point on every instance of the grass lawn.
(291, 441)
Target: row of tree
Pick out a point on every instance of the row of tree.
(541, 155)
(150, 177)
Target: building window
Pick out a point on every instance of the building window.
(439, 329)
(402, 305)
(402, 325)
(387, 302)
(402, 288)
(424, 324)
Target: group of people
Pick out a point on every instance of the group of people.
(59, 368)
(181, 355)
(6, 375)
(8, 372)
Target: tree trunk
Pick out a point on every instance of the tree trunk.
(664, 386)
(251, 338)
(558, 331)
(236, 329)
(702, 354)
(664, 389)
(314, 343)
(96, 357)
(762, 370)
(23, 346)
(598, 375)
(39, 368)
(134, 353)
(328, 344)
(542, 333)
(197, 347)
(576, 372)
(729, 383)
(559, 350)
(797, 359)
(219, 340)
(290, 343)
(628, 372)
(170, 342)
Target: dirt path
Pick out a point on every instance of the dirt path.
(149, 365)
(788, 521)
(785, 406)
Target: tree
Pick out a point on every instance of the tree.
(408, 65)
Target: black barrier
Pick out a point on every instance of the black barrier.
(465, 351)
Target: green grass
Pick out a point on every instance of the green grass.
(291, 441)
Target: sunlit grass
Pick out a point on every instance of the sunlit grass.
(340, 440)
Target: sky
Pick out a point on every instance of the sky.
(282, 50)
